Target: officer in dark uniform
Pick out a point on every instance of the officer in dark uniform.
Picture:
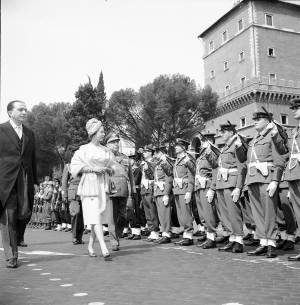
(183, 187)
(121, 188)
(71, 199)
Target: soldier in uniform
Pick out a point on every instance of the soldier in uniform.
(163, 182)
(207, 210)
(71, 200)
(230, 179)
(47, 200)
(183, 187)
(121, 188)
(292, 171)
(147, 168)
(265, 168)
(135, 214)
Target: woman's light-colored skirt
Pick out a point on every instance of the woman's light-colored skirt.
(91, 210)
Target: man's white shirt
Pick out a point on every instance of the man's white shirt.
(17, 129)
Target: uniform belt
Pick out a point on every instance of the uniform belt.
(201, 180)
(296, 156)
(146, 183)
(224, 172)
(160, 184)
(261, 166)
(179, 182)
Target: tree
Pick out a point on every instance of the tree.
(168, 108)
(49, 125)
(90, 103)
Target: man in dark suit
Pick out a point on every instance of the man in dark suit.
(18, 180)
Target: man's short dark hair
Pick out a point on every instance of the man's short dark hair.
(10, 105)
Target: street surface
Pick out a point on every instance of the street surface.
(54, 271)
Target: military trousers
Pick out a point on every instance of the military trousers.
(230, 211)
(150, 210)
(184, 213)
(285, 214)
(294, 188)
(117, 219)
(206, 210)
(164, 214)
(247, 213)
(264, 210)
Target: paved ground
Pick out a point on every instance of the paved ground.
(53, 271)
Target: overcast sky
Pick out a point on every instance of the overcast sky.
(50, 47)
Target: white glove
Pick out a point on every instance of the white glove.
(272, 187)
(205, 144)
(236, 194)
(210, 195)
(273, 128)
(188, 197)
(238, 142)
(163, 158)
(165, 200)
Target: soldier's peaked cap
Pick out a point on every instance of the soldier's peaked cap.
(113, 137)
(149, 147)
(182, 142)
(209, 135)
(261, 115)
(227, 126)
(295, 103)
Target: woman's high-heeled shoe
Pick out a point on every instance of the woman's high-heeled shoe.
(107, 257)
(92, 253)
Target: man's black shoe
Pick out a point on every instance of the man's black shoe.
(271, 252)
(12, 263)
(77, 242)
(222, 239)
(297, 239)
(237, 248)
(248, 237)
(289, 245)
(252, 242)
(22, 244)
(294, 258)
(201, 239)
(136, 237)
(209, 244)
(261, 250)
(184, 242)
(175, 235)
(280, 243)
(115, 248)
(130, 236)
(164, 240)
(199, 233)
(228, 247)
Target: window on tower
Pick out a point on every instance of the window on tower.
(240, 25)
(272, 76)
(211, 46)
(243, 122)
(242, 56)
(243, 80)
(227, 89)
(224, 36)
(271, 52)
(284, 119)
(226, 66)
(268, 20)
(212, 74)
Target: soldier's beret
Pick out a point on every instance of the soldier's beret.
(113, 138)
(227, 127)
(261, 115)
(149, 147)
(295, 103)
(182, 142)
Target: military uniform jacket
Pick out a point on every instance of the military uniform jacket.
(264, 162)
(122, 181)
(292, 170)
(231, 173)
(147, 180)
(203, 177)
(69, 184)
(163, 179)
(184, 175)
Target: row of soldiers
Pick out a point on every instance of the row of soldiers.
(254, 184)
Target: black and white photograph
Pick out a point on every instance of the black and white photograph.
(150, 152)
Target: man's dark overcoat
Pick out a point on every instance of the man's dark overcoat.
(15, 154)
